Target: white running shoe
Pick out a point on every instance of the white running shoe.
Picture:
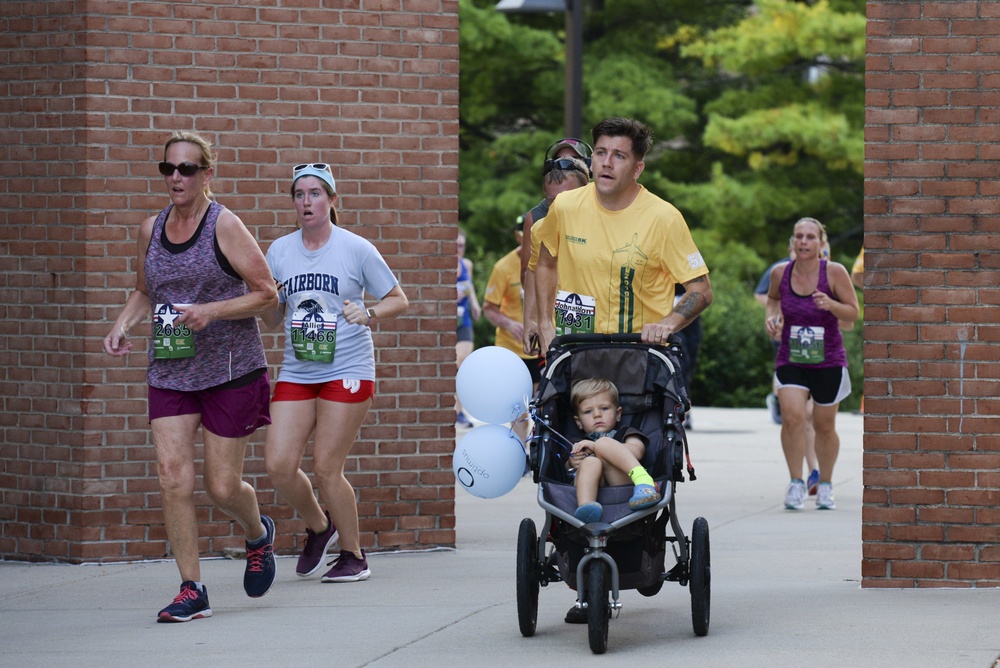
(796, 495)
(824, 497)
(774, 407)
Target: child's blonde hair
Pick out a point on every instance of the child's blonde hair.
(591, 387)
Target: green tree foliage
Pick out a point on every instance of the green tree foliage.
(758, 112)
(787, 125)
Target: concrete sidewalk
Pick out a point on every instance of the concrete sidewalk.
(785, 590)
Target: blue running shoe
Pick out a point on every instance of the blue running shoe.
(189, 604)
(813, 482)
(259, 574)
(589, 512)
(462, 421)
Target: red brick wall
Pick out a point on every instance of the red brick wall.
(89, 92)
(932, 218)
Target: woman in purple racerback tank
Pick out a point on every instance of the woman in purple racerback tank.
(203, 278)
(809, 301)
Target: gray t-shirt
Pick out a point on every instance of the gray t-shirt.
(316, 283)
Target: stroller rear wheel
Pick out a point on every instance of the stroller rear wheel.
(701, 577)
(527, 578)
(598, 607)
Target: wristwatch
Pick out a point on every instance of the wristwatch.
(371, 314)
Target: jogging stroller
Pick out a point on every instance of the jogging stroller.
(625, 550)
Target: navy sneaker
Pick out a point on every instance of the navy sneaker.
(259, 574)
(189, 604)
(315, 549)
(348, 568)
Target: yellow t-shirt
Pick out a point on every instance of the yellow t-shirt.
(859, 263)
(536, 245)
(504, 290)
(627, 262)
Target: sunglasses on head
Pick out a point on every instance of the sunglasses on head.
(563, 164)
(322, 166)
(581, 147)
(185, 168)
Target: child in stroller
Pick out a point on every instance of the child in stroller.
(611, 452)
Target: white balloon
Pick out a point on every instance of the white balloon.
(489, 461)
(493, 385)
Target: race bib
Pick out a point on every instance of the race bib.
(806, 345)
(314, 332)
(171, 340)
(574, 313)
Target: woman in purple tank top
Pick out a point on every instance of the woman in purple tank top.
(809, 301)
(204, 279)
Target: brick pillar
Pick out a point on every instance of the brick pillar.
(932, 217)
(89, 93)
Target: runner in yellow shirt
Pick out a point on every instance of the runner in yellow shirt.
(611, 252)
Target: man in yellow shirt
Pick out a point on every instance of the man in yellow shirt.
(611, 252)
(558, 176)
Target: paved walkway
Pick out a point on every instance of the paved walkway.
(785, 591)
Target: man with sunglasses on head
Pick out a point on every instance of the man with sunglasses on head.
(558, 159)
(558, 176)
(611, 253)
(204, 278)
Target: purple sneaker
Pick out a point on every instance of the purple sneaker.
(316, 547)
(348, 568)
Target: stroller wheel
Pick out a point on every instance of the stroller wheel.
(598, 608)
(527, 578)
(701, 577)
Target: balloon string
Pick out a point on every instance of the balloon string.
(519, 410)
(556, 437)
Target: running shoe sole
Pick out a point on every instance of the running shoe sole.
(167, 617)
(363, 575)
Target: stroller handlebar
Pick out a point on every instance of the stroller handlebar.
(569, 339)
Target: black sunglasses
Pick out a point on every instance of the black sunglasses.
(322, 166)
(563, 163)
(185, 168)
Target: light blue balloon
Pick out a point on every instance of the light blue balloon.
(493, 385)
(489, 461)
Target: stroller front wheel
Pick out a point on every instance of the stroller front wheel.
(701, 577)
(598, 607)
(527, 578)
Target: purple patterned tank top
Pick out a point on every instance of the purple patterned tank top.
(226, 349)
(810, 336)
